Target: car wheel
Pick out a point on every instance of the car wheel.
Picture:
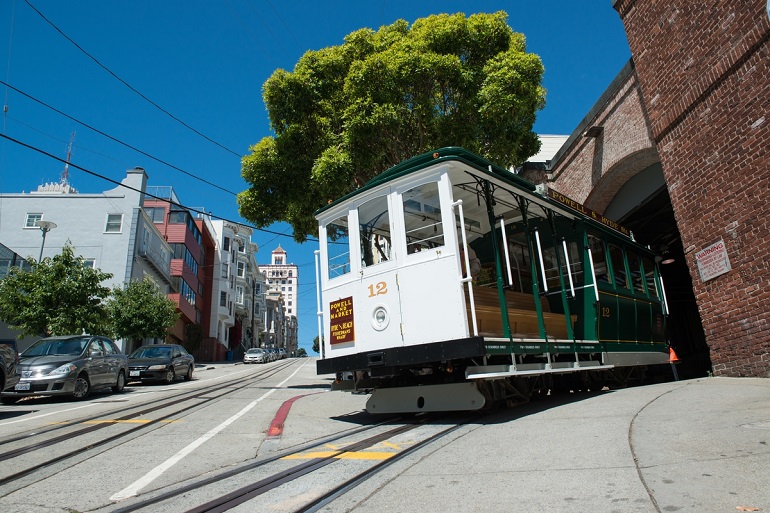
(120, 384)
(9, 400)
(188, 376)
(170, 376)
(82, 387)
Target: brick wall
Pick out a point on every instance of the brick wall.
(703, 69)
(591, 169)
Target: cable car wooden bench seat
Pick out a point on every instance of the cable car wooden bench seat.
(522, 316)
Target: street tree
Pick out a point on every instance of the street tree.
(140, 311)
(59, 295)
(346, 113)
(316, 345)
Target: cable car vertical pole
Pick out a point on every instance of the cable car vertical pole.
(319, 310)
(490, 202)
(467, 279)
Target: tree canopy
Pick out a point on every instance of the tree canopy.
(140, 311)
(347, 113)
(57, 296)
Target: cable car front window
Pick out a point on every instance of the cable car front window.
(338, 247)
(374, 228)
(422, 216)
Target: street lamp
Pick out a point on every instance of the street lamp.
(45, 227)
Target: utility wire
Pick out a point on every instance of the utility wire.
(105, 68)
(120, 184)
(156, 159)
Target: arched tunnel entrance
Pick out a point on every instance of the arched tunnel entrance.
(651, 219)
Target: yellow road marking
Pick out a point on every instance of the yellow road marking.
(362, 455)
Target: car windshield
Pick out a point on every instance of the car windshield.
(152, 352)
(48, 347)
(252, 351)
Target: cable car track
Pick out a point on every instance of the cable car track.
(246, 493)
(163, 404)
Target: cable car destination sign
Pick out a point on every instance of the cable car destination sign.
(579, 207)
(341, 321)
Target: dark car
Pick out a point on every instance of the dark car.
(72, 365)
(9, 359)
(161, 362)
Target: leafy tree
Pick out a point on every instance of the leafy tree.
(57, 296)
(315, 344)
(301, 352)
(141, 311)
(346, 113)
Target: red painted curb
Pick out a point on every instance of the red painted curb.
(276, 426)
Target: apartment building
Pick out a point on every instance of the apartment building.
(110, 230)
(282, 279)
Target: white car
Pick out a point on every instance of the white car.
(255, 355)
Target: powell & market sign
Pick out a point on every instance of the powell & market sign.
(579, 207)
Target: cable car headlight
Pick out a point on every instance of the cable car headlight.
(380, 317)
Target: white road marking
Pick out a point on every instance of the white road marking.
(26, 419)
(148, 478)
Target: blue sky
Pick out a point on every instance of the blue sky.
(204, 62)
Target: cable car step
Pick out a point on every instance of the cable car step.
(531, 369)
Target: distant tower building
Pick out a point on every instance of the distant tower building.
(283, 277)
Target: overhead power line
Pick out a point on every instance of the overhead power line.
(108, 70)
(120, 184)
(115, 139)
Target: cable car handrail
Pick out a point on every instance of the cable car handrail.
(567, 263)
(593, 272)
(540, 259)
(505, 250)
(467, 279)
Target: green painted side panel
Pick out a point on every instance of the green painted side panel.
(627, 328)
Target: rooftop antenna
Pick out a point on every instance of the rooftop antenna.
(65, 175)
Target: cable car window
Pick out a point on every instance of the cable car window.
(618, 267)
(422, 217)
(599, 258)
(634, 267)
(374, 227)
(338, 247)
(649, 276)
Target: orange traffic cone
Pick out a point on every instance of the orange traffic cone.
(672, 357)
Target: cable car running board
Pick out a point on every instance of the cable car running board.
(504, 371)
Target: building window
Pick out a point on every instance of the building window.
(114, 223)
(226, 246)
(89, 262)
(32, 220)
(241, 269)
(224, 270)
(239, 296)
(156, 214)
(223, 298)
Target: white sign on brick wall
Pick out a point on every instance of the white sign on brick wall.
(713, 261)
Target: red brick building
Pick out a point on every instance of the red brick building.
(677, 150)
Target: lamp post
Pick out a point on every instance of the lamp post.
(45, 227)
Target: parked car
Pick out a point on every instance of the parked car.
(9, 360)
(255, 355)
(282, 353)
(71, 365)
(160, 362)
